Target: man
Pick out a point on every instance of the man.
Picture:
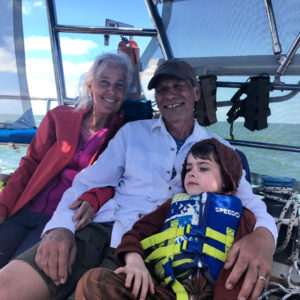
(143, 162)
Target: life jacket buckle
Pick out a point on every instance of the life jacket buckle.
(191, 247)
(195, 231)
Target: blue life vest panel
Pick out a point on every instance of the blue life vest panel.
(198, 232)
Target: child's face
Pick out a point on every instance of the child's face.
(202, 175)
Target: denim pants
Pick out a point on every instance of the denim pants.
(20, 232)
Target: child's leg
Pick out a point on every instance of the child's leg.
(104, 284)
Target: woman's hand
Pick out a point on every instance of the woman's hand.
(84, 214)
(136, 270)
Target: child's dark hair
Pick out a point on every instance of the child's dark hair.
(227, 159)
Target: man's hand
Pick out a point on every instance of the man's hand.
(253, 256)
(2, 219)
(84, 214)
(136, 270)
(56, 254)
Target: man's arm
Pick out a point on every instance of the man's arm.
(57, 250)
(56, 254)
(257, 206)
(252, 256)
(106, 171)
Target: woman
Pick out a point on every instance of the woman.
(67, 141)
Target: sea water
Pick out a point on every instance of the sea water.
(9, 157)
(261, 161)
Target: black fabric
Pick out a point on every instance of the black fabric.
(255, 107)
(206, 107)
(137, 110)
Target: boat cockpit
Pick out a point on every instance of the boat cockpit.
(247, 58)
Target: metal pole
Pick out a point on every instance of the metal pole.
(265, 145)
(161, 31)
(56, 52)
(107, 30)
(273, 28)
(286, 60)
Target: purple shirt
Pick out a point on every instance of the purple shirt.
(46, 201)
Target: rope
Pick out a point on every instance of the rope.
(288, 196)
(292, 202)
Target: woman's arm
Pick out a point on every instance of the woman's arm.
(88, 204)
(43, 140)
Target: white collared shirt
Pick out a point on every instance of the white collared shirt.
(138, 162)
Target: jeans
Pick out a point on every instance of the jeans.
(20, 232)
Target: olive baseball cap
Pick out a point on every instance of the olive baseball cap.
(174, 68)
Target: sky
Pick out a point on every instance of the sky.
(79, 50)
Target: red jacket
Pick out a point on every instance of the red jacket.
(50, 151)
(153, 222)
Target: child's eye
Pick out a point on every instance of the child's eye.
(203, 169)
(188, 170)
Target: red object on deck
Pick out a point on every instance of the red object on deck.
(131, 49)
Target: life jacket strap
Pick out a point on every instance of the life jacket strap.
(160, 237)
(214, 252)
(220, 237)
(179, 290)
(226, 239)
(171, 281)
(166, 251)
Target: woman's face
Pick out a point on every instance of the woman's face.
(109, 89)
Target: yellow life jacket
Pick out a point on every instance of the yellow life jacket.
(197, 233)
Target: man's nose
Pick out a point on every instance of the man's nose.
(170, 93)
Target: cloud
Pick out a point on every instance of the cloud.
(68, 46)
(33, 43)
(76, 69)
(9, 42)
(38, 4)
(40, 76)
(29, 5)
(7, 61)
(76, 46)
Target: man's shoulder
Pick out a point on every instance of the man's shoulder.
(203, 133)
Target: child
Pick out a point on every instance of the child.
(209, 170)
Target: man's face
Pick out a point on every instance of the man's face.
(175, 99)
